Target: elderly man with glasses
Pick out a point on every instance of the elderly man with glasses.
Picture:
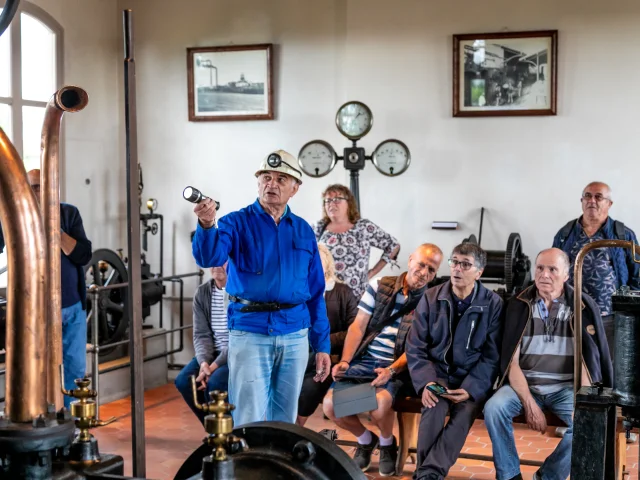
(453, 354)
(605, 269)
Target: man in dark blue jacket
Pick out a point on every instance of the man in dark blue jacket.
(76, 253)
(276, 292)
(536, 366)
(454, 345)
(605, 269)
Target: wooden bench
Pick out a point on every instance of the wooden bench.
(408, 410)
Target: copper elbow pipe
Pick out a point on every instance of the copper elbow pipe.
(67, 99)
(577, 301)
(26, 262)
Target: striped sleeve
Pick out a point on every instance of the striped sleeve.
(368, 300)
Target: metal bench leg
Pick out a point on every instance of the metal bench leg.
(408, 433)
(621, 455)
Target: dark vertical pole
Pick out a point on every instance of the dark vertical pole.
(355, 187)
(133, 244)
(481, 220)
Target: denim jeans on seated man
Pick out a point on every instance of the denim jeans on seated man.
(266, 372)
(219, 380)
(499, 412)
(74, 346)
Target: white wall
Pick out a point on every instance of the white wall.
(91, 150)
(396, 57)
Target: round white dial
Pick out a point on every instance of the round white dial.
(354, 120)
(317, 158)
(391, 157)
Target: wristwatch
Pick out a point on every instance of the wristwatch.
(392, 371)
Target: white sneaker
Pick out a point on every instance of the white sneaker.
(560, 433)
(633, 438)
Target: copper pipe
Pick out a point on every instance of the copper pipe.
(67, 99)
(577, 301)
(26, 261)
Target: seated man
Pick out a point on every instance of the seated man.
(454, 342)
(342, 308)
(537, 365)
(210, 341)
(370, 350)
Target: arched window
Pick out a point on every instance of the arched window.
(30, 73)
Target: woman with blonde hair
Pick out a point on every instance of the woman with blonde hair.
(350, 238)
(342, 307)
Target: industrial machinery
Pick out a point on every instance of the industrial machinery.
(107, 267)
(599, 411)
(510, 267)
(262, 450)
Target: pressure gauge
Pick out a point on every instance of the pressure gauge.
(317, 158)
(354, 120)
(391, 157)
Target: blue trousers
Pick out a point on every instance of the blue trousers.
(498, 415)
(265, 375)
(74, 346)
(217, 381)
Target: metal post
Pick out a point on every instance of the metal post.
(95, 369)
(481, 221)
(133, 243)
(355, 187)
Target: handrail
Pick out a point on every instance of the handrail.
(97, 288)
(577, 300)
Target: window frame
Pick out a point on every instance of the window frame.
(15, 100)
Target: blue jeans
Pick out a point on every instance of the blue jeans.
(265, 375)
(74, 346)
(498, 414)
(218, 380)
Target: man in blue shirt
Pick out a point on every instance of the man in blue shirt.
(276, 292)
(75, 252)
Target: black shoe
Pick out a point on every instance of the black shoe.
(517, 477)
(388, 458)
(363, 453)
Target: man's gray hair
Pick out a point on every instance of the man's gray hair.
(561, 253)
(478, 254)
(600, 183)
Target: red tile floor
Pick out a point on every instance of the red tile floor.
(173, 432)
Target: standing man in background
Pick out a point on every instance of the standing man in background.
(76, 253)
(276, 292)
(605, 269)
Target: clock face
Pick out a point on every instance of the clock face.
(354, 120)
(391, 157)
(317, 158)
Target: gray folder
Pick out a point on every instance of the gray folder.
(351, 399)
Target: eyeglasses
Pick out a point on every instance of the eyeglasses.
(327, 201)
(598, 197)
(463, 265)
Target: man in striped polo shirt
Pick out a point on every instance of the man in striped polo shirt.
(537, 365)
(374, 347)
(210, 341)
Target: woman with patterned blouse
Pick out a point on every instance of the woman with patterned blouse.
(350, 238)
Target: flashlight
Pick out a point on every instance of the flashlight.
(193, 195)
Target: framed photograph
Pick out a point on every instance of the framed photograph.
(230, 83)
(505, 74)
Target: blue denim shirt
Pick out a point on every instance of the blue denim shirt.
(269, 263)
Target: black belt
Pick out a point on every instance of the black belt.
(261, 306)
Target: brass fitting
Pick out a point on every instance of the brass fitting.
(218, 423)
(84, 409)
